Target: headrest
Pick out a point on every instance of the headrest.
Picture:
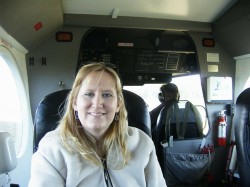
(242, 132)
(48, 114)
(50, 110)
(243, 98)
(138, 114)
(8, 159)
(181, 122)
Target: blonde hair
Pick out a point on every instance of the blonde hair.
(76, 139)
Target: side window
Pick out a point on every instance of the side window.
(10, 107)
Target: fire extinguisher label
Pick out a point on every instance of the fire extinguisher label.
(222, 131)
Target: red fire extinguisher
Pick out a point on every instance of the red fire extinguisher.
(222, 128)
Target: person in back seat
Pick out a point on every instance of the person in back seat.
(169, 94)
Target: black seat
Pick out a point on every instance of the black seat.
(242, 136)
(50, 110)
(48, 113)
(182, 123)
(138, 114)
(177, 140)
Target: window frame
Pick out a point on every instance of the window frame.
(11, 62)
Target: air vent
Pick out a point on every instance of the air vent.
(172, 61)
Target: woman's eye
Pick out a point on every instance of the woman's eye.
(107, 95)
(89, 94)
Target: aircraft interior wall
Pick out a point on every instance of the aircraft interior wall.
(61, 61)
(226, 67)
(45, 78)
(16, 58)
(233, 28)
(50, 66)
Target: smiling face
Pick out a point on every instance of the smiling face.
(97, 103)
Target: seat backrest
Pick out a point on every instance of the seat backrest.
(242, 136)
(48, 114)
(138, 114)
(179, 122)
(50, 110)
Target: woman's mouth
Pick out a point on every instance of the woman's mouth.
(96, 113)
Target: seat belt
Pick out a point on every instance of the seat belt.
(185, 118)
(166, 141)
(172, 110)
(198, 119)
(189, 106)
(178, 121)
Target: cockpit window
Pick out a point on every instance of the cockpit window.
(189, 87)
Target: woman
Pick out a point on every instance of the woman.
(93, 145)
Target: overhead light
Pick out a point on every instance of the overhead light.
(64, 36)
(208, 42)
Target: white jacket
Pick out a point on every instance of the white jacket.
(54, 166)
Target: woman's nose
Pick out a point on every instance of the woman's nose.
(98, 101)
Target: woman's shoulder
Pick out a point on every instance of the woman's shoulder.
(50, 136)
(137, 135)
(135, 131)
(51, 140)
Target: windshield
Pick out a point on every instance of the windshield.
(189, 87)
